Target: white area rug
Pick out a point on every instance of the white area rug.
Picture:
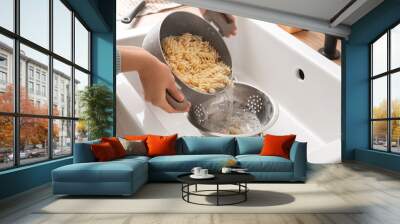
(166, 198)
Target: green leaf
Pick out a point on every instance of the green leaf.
(96, 102)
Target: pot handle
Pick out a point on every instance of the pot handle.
(180, 106)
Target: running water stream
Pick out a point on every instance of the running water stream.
(226, 115)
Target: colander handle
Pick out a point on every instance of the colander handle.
(225, 27)
(180, 106)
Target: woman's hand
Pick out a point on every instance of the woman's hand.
(155, 76)
(157, 79)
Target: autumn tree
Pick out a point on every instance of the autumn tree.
(380, 127)
(33, 131)
(6, 122)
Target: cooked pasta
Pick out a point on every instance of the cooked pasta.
(196, 63)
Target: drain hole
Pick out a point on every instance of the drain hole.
(300, 74)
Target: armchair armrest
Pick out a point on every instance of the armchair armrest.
(298, 155)
(83, 152)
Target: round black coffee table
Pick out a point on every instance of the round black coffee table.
(238, 179)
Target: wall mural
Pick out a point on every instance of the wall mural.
(198, 72)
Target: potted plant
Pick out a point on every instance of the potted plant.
(96, 103)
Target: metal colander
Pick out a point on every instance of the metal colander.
(216, 116)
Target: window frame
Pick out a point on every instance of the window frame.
(388, 74)
(16, 115)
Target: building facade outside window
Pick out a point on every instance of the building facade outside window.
(45, 122)
(3, 72)
(385, 91)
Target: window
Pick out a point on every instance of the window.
(3, 72)
(62, 137)
(30, 72)
(3, 81)
(6, 73)
(38, 74)
(81, 81)
(62, 74)
(3, 78)
(55, 99)
(44, 91)
(6, 142)
(34, 22)
(7, 14)
(62, 30)
(33, 142)
(385, 91)
(3, 61)
(30, 87)
(33, 125)
(37, 89)
(81, 45)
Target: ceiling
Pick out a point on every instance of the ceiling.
(327, 16)
(321, 9)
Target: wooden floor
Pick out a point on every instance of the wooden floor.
(379, 189)
(316, 41)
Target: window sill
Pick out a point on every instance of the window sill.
(26, 167)
(382, 159)
(383, 152)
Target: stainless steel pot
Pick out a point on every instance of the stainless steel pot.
(178, 23)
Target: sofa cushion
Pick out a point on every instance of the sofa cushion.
(161, 145)
(134, 147)
(257, 163)
(116, 145)
(195, 145)
(103, 152)
(185, 163)
(277, 145)
(248, 145)
(112, 171)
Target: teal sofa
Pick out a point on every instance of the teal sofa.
(125, 176)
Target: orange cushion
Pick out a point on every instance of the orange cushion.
(136, 137)
(161, 145)
(116, 145)
(277, 145)
(103, 152)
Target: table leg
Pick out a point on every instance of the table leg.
(245, 193)
(217, 194)
(182, 188)
(195, 188)
(188, 189)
